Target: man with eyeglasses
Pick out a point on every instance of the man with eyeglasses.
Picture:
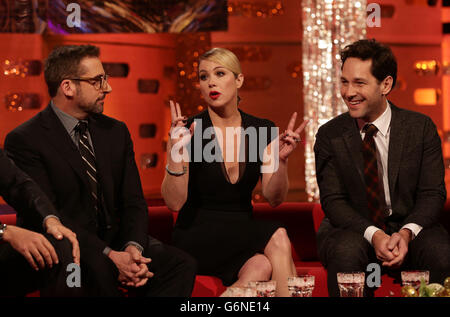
(84, 162)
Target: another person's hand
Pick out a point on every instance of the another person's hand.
(32, 245)
(58, 230)
(289, 138)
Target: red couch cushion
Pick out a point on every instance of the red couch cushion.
(9, 219)
(160, 223)
(207, 286)
(298, 221)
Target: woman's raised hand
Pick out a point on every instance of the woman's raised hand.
(178, 130)
(290, 137)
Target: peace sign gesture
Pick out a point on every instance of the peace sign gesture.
(289, 138)
(178, 130)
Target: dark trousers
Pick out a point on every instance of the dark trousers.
(174, 272)
(346, 251)
(18, 278)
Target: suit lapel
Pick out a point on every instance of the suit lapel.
(353, 142)
(396, 141)
(99, 135)
(57, 135)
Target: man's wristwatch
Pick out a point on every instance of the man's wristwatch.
(2, 230)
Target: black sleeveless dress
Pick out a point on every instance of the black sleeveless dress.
(215, 225)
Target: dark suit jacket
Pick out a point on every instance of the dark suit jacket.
(415, 172)
(19, 191)
(44, 150)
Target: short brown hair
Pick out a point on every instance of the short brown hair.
(384, 63)
(63, 62)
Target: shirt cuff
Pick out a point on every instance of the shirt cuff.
(135, 244)
(45, 219)
(414, 228)
(370, 231)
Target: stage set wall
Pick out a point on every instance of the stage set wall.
(414, 33)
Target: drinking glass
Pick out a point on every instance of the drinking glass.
(241, 292)
(264, 288)
(351, 284)
(414, 278)
(301, 286)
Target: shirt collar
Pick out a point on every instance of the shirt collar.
(382, 122)
(67, 120)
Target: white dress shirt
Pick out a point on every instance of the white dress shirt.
(383, 124)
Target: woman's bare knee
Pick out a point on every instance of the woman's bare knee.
(257, 268)
(278, 244)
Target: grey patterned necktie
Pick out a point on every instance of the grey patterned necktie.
(88, 158)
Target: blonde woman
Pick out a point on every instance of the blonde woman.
(214, 162)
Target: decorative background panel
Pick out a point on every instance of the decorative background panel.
(327, 27)
(112, 16)
(267, 35)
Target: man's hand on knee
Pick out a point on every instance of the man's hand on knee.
(58, 230)
(36, 249)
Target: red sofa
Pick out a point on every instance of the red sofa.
(301, 220)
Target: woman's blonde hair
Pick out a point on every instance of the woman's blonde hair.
(224, 57)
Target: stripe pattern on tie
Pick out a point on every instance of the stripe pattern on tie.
(373, 185)
(87, 155)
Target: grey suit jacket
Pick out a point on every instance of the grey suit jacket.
(415, 172)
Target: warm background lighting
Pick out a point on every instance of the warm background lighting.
(427, 67)
(426, 96)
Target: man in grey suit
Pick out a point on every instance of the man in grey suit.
(381, 177)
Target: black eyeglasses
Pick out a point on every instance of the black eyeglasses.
(99, 82)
